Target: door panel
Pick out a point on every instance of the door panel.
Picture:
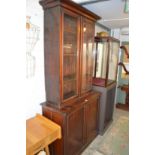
(70, 54)
(75, 126)
(91, 111)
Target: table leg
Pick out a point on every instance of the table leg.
(47, 150)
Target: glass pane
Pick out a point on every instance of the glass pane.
(87, 56)
(113, 60)
(70, 56)
(102, 60)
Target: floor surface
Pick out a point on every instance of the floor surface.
(115, 140)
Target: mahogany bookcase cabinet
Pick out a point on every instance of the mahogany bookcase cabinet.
(68, 53)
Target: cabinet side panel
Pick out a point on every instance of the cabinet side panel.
(52, 54)
(110, 104)
(102, 107)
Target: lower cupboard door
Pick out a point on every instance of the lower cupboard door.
(91, 119)
(75, 136)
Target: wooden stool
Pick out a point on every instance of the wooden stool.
(40, 132)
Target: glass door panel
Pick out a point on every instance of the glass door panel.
(87, 55)
(102, 53)
(70, 56)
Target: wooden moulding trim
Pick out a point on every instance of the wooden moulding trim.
(49, 106)
(96, 57)
(46, 4)
(107, 65)
(61, 57)
(99, 39)
(81, 55)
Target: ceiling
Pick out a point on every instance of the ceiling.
(111, 11)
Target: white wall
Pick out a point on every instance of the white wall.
(125, 37)
(35, 85)
(117, 33)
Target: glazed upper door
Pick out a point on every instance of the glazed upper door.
(87, 55)
(70, 72)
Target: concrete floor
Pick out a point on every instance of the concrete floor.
(94, 147)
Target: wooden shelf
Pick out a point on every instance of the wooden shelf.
(70, 54)
(69, 31)
(70, 76)
(69, 80)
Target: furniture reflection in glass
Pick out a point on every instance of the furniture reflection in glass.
(87, 55)
(106, 60)
(70, 56)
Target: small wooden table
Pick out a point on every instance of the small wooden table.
(40, 132)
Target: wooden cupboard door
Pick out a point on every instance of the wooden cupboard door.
(88, 27)
(91, 113)
(75, 132)
(70, 46)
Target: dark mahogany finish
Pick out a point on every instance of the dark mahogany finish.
(91, 110)
(68, 4)
(68, 49)
(79, 123)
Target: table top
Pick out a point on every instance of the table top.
(40, 132)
